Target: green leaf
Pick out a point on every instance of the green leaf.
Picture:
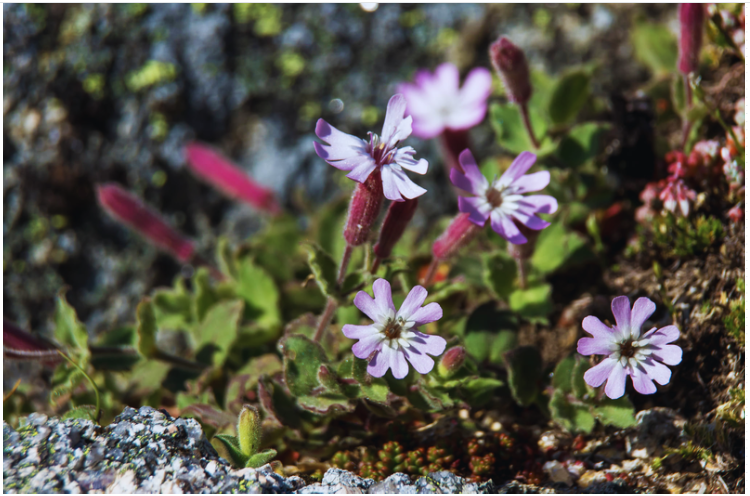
(205, 295)
(533, 303)
(219, 329)
(147, 376)
(373, 388)
(323, 268)
(351, 282)
(325, 403)
(477, 344)
(87, 412)
(446, 291)
(260, 459)
(500, 273)
(619, 412)
(248, 430)
(580, 388)
(511, 133)
(562, 379)
(174, 308)
(232, 446)
(225, 258)
(477, 390)
(582, 143)
(69, 331)
(555, 247)
(678, 94)
(655, 46)
(572, 417)
(330, 226)
(276, 248)
(259, 291)
(429, 400)
(146, 329)
(524, 365)
(570, 94)
(302, 360)
(502, 343)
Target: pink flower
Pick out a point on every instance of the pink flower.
(676, 192)
(393, 337)
(736, 213)
(129, 210)
(436, 102)
(642, 357)
(216, 170)
(502, 201)
(361, 158)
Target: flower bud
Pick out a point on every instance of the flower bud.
(459, 232)
(219, 172)
(364, 209)
(129, 210)
(248, 430)
(452, 361)
(396, 219)
(691, 32)
(524, 251)
(510, 63)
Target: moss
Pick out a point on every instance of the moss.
(152, 73)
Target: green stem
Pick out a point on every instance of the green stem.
(179, 361)
(91, 381)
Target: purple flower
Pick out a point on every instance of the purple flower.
(360, 157)
(436, 102)
(393, 337)
(502, 201)
(642, 357)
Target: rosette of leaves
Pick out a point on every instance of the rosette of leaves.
(576, 406)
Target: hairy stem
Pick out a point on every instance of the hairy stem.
(325, 319)
(375, 265)
(521, 264)
(344, 264)
(527, 123)
(431, 270)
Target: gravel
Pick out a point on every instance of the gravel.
(147, 451)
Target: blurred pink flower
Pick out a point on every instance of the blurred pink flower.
(436, 102)
(213, 168)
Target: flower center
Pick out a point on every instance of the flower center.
(494, 197)
(379, 151)
(628, 349)
(393, 328)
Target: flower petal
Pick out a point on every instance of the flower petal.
(621, 311)
(671, 354)
(339, 141)
(594, 346)
(477, 88)
(396, 128)
(408, 188)
(428, 313)
(471, 179)
(421, 362)
(390, 186)
(599, 329)
(664, 335)
(478, 208)
(368, 345)
(543, 204)
(447, 78)
(379, 364)
(529, 220)
(362, 171)
(404, 157)
(504, 226)
(643, 308)
(382, 291)
(615, 387)
(518, 168)
(413, 301)
(370, 307)
(531, 182)
(399, 367)
(427, 343)
(641, 381)
(596, 375)
(657, 371)
(352, 331)
(427, 128)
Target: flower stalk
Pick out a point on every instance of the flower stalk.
(459, 232)
(396, 219)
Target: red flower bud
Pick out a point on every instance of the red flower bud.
(130, 211)
(510, 63)
(396, 219)
(452, 361)
(691, 32)
(364, 209)
(19, 344)
(219, 172)
(458, 233)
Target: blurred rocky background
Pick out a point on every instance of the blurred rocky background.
(98, 92)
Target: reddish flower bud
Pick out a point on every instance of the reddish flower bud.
(458, 233)
(510, 63)
(129, 210)
(736, 214)
(19, 344)
(364, 209)
(219, 172)
(452, 361)
(691, 32)
(396, 219)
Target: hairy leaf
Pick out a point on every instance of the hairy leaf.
(524, 365)
(302, 360)
(569, 96)
(573, 417)
(146, 328)
(219, 329)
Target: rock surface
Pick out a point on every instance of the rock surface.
(147, 451)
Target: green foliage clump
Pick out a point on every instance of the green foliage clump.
(680, 236)
(734, 321)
